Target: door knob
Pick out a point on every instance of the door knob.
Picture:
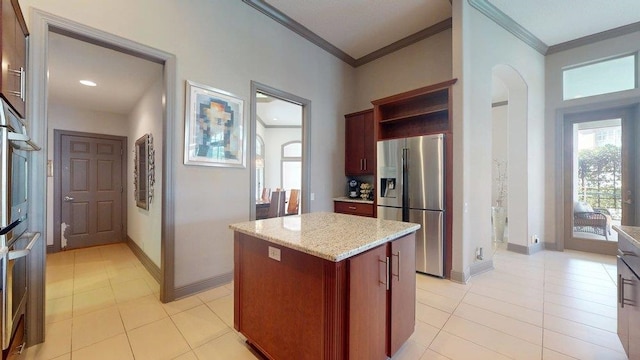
(69, 198)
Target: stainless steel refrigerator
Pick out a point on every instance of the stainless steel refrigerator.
(410, 182)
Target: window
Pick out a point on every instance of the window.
(259, 166)
(598, 78)
(292, 165)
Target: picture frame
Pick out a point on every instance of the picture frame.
(144, 171)
(214, 127)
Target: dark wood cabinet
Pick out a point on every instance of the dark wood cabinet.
(382, 301)
(17, 344)
(13, 79)
(353, 208)
(360, 153)
(629, 310)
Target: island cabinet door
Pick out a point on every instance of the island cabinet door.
(368, 279)
(402, 304)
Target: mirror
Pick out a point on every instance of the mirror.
(144, 176)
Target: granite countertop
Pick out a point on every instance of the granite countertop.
(630, 232)
(353, 200)
(330, 236)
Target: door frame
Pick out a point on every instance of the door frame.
(627, 116)
(41, 24)
(305, 195)
(57, 180)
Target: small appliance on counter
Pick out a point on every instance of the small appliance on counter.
(354, 188)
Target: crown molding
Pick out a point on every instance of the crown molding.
(409, 40)
(590, 39)
(301, 30)
(502, 19)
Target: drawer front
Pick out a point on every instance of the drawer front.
(353, 208)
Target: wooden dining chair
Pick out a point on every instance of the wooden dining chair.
(294, 202)
(276, 206)
(266, 194)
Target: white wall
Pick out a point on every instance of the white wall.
(556, 108)
(423, 63)
(499, 147)
(479, 45)
(75, 119)
(144, 226)
(226, 44)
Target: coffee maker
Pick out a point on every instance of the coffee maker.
(354, 188)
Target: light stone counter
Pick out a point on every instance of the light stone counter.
(330, 236)
(632, 233)
(353, 200)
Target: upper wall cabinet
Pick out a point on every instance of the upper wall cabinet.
(418, 112)
(359, 155)
(13, 80)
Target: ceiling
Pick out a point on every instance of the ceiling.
(273, 112)
(121, 79)
(356, 27)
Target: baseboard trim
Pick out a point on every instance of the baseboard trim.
(550, 246)
(526, 250)
(50, 249)
(460, 277)
(148, 264)
(203, 285)
(481, 267)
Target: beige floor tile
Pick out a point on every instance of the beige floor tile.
(571, 346)
(213, 294)
(187, 356)
(59, 288)
(61, 258)
(431, 316)
(583, 332)
(129, 290)
(96, 326)
(577, 281)
(93, 300)
(58, 342)
(504, 308)
(229, 286)
(228, 346)
(440, 302)
(116, 347)
(86, 282)
(604, 296)
(432, 355)
(199, 325)
(159, 340)
(533, 302)
(584, 305)
(498, 341)
(442, 287)
(59, 272)
(59, 309)
(223, 307)
(457, 348)
(410, 350)
(142, 311)
(505, 324)
(548, 354)
(424, 333)
(583, 317)
(122, 274)
(177, 306)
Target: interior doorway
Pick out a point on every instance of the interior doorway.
(280, 153)
(600, 177)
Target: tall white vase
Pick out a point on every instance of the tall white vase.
(498, 219)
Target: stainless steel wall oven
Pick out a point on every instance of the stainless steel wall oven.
(15, 241)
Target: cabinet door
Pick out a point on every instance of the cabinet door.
(631, 311)
(402, 307)
(368, 304)
(369, 144)
(623, 312)
(354, 147)
(8, 24)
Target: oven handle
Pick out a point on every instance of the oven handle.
(12, 136)
(10, 227)
(15, 254)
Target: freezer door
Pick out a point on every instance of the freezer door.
(389, 181)
(425, 172)
(389, 213)
(429, 241)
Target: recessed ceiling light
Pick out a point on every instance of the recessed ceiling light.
(275, 119)
(88, 83)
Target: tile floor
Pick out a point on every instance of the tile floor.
(102, 304)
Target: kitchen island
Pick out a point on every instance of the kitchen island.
(324, 286)
(629, 289)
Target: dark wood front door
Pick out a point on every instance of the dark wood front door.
(91, 189)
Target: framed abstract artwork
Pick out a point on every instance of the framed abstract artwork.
(214, 128)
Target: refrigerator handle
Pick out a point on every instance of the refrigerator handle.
(405, 185)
